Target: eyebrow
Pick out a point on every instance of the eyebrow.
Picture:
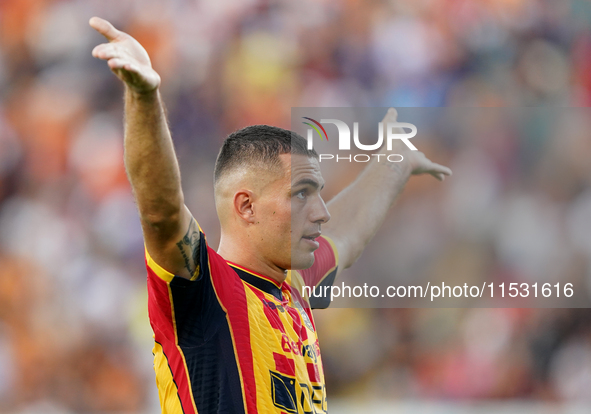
(308, 181)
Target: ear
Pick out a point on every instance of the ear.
(243, 205)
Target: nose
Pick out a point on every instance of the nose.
(320, 213)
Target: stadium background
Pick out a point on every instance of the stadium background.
(74, 335)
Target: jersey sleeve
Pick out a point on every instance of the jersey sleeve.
(321, 274)
(181, 310)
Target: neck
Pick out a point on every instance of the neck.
(246, 256)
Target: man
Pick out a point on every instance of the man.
(232, 332)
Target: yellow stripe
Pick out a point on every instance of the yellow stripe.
(170, 402)
(159, 270)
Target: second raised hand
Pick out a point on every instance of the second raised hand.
(418, 162)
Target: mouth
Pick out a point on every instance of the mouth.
(311, 239)
(312, 236)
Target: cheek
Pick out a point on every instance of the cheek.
(279, 222)
(297, 219)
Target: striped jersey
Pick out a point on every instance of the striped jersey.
(234, 341)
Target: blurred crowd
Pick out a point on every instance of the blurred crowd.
(74, 334)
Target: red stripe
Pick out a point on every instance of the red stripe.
(313, 372)
(324, 260)
(295, 317)
(284, 365)
(232, 296)
(160, 310)
(271, 314)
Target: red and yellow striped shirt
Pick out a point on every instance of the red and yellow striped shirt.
(234, 341)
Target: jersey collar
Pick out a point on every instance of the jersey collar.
(264, 283)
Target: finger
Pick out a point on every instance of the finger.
(439, 176)
(117, 63)
(130, 67)
(391, 116)
(96, 51)
(105, 28)
(105, 51)
(440, 169)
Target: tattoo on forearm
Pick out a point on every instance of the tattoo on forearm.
(189, 248)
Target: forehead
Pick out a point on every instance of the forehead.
(302, 167)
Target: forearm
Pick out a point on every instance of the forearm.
(150, 160)
(358, 211)
(170, 234)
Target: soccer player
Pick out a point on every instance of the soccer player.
(232, 332)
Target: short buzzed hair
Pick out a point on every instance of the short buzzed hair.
(259, 145)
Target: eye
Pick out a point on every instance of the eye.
(301, 194)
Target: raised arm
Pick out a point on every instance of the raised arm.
(358, 211)
(170, 233)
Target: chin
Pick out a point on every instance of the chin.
(304, 262)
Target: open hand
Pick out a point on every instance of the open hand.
(126, 57)
(419, 163)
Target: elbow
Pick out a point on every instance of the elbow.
(161, 221)
(161, 211)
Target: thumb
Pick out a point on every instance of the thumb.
(105, 28)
